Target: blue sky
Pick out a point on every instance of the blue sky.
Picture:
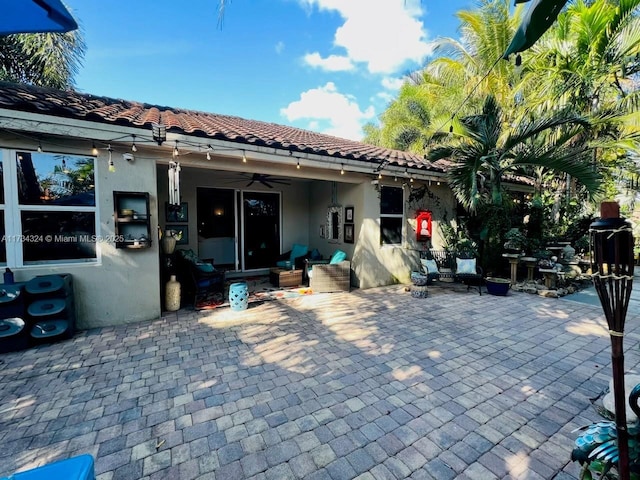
(324, 65)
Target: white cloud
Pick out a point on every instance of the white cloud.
(279, 47)
(385, 96)
(391, 83)
(383, 34)
(333, 63)
(329, 111)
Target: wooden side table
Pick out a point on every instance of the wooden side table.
(281, 277)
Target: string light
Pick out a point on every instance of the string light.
(176, 152)
(133, 144)
(209, 152)
(395, 179)
(406, 172)
(112, 166)
(342, 169)
(244, 157)
(298, 165)
(411, 179)
(380, 176)
(94, 150)
(39, 147)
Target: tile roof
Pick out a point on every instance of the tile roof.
(81, 106)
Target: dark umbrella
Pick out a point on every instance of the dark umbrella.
(537, 20)
(612, 263)
(35, 16)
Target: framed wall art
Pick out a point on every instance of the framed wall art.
(175, 213)
(348, 214)
(348, 232)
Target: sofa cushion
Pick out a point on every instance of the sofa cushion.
(429, 266)
(298, 251)
(465, 266)
(191, 257)
(337, 257)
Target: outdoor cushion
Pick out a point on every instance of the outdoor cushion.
(337, 257)
(429, 266)
(297, 251)
(191, 257)
(315, 255)
(465, 266)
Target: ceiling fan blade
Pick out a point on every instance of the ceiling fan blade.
(266, 184)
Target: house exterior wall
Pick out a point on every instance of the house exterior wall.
(374, 265)
(123, 285)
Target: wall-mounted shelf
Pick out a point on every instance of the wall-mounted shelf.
(132, 220)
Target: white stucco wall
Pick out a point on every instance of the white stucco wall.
(124, 285)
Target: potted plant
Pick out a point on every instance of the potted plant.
(515, 240)
(497, 286)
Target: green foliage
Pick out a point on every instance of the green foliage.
(42, 59)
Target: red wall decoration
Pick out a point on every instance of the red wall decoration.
(423, 225)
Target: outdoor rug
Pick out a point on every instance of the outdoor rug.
(260, 290)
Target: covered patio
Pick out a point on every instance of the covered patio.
(368, 384)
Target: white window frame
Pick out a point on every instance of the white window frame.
(13, 213)
(401, 216)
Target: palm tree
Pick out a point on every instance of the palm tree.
(43, 59)
(487, 150)
(457, 80)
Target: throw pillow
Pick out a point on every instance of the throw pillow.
(338, 256)
(429, 266)
(298, 250)
(465, 266)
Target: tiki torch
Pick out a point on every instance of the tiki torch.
(612, 264)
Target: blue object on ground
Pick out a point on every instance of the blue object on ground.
(239, 296)
(75, 468)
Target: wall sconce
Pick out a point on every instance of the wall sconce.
(159, 132)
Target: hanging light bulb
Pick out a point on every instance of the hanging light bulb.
(39, 147)
(112, 166)
(298, 165)
(380, 176)
(244, 157)
(133, 144)
(450, 128)
(65, 170)
(406, 172)
(395, 179)
(94, 150)
(176, 152)
(342, 169)
(209, 152)
(411, 179)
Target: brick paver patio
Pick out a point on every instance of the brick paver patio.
(371, 385)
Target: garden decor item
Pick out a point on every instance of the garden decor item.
(497, 286)
(612, 266)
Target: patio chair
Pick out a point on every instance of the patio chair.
(333, 275)
(468, 272)
(205, 283)
(294, 258)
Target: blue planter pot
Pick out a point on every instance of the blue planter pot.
(497, 286)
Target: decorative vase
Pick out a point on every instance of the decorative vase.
(172, 295)
(168, 243)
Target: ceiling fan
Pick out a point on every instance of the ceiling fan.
(266, 180)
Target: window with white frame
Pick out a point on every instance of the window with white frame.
(48, 204)
(391, 215)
